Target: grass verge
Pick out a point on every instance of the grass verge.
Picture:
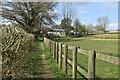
(31, 69)
(58, 73)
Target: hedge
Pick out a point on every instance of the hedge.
(16, 45)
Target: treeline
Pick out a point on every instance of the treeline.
(70, 23)
(37, 17)
(80, 29)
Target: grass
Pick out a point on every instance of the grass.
(108, 47)
(103, 69)
(105, 47)
(101, 36)
(58, 73)
(32, 65)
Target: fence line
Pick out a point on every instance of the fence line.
(108, 58)
(100, 56)
(56, 52)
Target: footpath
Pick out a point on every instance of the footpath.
(37, 65)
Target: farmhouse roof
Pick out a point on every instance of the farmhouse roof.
(61, 30)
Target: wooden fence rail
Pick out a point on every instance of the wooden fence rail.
(100, 56)
(57, 50)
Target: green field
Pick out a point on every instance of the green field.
(103, 68)
(103, 46)
(108, 47)
(102, 36)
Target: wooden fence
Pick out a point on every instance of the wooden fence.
(108, 58)
(100, 56)
(56, 52)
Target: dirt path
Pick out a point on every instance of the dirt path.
(46, 72)
(37, 65)
(97, 39)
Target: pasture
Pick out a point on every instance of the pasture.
(105, 47)
(103, 68)
(109, 47)
(101, 36)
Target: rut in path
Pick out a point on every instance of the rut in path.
(45, 71)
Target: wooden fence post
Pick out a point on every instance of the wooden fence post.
(51, 46)
(60, 55)
(91, 65)
(57, 48)
(48, 44)
(74, 66)
(44, 40)
(65, 58)
(54, 50)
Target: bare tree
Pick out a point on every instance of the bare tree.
(103, 21)
(68, 10)
(31, 16)
(91, 28)
(68, 13)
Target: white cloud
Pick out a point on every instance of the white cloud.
(110, 6)
(82, 11)
(81, 7)
(112, 26)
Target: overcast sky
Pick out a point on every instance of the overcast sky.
(89, 12)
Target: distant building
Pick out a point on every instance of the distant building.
(74, 33)
(56, 32)
(114, 31)
(100, 32)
